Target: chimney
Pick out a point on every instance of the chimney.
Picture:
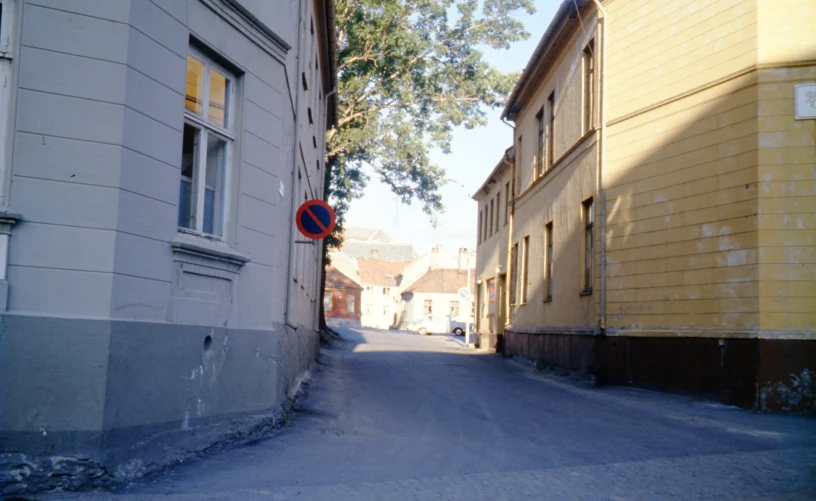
(375, 253)
(435, 256)
(464, 259)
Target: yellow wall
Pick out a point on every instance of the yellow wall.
(710, 181)
(557, 196)
(712, 217)
(492, 252)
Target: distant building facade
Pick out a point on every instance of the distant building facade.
(341, 296)
(152, 154)
(493, 199)
(373, 259)
(661, 230)
(381, 281)
(437, 293)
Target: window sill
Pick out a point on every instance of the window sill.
(585, 292)
(548, 299)
(193, 245)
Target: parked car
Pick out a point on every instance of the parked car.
(459, 328)
(439, 324)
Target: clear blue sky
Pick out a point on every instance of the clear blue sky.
(473, 155)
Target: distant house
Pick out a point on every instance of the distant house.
(341, 298)
(437, 293)
(380, 297)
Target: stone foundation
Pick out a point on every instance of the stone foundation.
(767, 374)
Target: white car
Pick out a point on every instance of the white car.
(439, 324)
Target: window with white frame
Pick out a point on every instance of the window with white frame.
(7, 39)
(454, 308)
(350, 305)
(206, 145)
(428, 306)
(327, 301)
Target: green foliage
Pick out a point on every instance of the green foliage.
(410, 71)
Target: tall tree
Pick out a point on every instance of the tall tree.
(410, 71)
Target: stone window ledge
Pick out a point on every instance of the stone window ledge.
(203, 248)
(8, 217)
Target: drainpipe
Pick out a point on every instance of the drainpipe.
(508, 265)
(295, 195)
(601, 160)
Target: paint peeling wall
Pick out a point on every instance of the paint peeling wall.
(709, 176)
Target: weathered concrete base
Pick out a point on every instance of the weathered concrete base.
(768, 374)
(86, 401)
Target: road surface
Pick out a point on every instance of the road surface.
(394, 415)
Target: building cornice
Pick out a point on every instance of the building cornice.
(243, 20)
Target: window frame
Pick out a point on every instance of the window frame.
(492, 227)
(548, 260)
(525, 266)
(506, 203)
(8, 29)
(330, 297)
(550, 131)
(351, 303)
(540, 167)
(498, 209)
(226, 134)
(519, 165)
(513, 273)
(427, 306)
(588, 218)
(8, 46)
(588, 101)
(453, 308)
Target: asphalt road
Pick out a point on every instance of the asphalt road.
(393, 415)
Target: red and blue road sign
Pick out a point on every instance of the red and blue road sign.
(315, 219)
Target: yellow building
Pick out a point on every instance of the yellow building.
(493, 198)
(664, 215)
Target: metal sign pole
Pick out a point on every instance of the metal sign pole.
(470, 309)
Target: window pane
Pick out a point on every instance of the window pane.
(351, 304)
(189, 145)
(214, 184)
(194, 98)
(327, 301)
(217, 111)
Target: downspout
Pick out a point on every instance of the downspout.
(601, 160)
(510, 229)
(292, 245)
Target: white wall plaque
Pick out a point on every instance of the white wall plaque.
(805, 101)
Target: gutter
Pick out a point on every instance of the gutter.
(601, 160)
(529, 69)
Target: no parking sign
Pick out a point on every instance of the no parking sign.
(315, 219)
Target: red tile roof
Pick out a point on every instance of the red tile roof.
(335, 279)
(380, 271)
(442, 280)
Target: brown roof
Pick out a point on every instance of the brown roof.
(380, 271)
(442, 280)
(335, 279)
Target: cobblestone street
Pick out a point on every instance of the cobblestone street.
(393, 415)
